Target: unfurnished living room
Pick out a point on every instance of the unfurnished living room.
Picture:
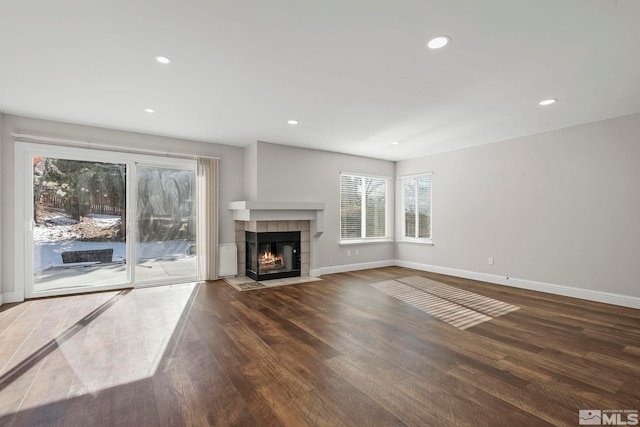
(319, 213)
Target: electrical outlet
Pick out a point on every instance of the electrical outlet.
(490, 260)
(348, 252)
(357, 252)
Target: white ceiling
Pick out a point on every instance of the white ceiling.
(355, 73)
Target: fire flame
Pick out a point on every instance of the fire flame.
(269, 260)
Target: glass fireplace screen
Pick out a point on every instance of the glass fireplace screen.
(273, 255)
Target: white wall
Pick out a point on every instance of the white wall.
(1, 209)
(297, 174)
(251, 171)
(231, 171)
(561, 208)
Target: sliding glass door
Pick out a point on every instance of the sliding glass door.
(79, 224)
(103, 220)
(166, 224)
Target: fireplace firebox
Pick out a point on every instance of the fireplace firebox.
(273, 255)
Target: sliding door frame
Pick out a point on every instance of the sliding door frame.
(23, 209)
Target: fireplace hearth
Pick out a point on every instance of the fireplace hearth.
(272, 255)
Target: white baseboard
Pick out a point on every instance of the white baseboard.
(351, 267)
(551, 288)
(9, 297)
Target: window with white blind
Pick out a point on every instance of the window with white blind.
(416, 204)
(363, 207)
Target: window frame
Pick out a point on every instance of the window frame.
(403, 232)
(388, 237)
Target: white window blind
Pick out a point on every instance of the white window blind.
(417, 206)
(350, 207)
(363, 207)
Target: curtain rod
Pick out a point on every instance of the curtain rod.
(106, 147)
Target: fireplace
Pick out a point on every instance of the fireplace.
(272, 255)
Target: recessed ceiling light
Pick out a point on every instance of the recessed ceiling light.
(438, 42)
(547, 102)
(149, 110)
(394, 143)
(163, 60)
(293, 122)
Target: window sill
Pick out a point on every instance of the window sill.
(427, 242)
(364, 241)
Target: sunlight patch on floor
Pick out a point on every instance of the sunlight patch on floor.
(118, 338)
(457, 307)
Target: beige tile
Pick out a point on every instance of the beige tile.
(305, 269)
(305, 247)
(288, 281)
(262, 226)
(238, 280)
(304, 225)
(292, 225)
(239, 236)
(305, 258)
(283, 225)
(272, 226)
(240, 225)
(251, 226)
(305, 236)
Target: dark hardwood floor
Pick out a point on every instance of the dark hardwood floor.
(332, 353)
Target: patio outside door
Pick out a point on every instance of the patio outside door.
(166, 224)
(79, 224)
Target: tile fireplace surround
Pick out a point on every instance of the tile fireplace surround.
(269, 216)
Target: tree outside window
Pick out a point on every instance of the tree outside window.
(417, 206)
(363, 207)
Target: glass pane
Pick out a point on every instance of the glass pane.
(376, 191)
(166, 221)
(278, 257)
(79, 233)
(424, 206)
(410, 207)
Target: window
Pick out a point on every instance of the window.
(363, 207)
(416, 203)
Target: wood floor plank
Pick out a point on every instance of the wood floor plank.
(337, 352)
(223, 404)
(10, 313)
(334, 391)
(176, 399)
(19, 334)
(519, 397)
(406, 408)
(264, 368)
(632, 349)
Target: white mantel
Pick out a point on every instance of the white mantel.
(256, 210)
